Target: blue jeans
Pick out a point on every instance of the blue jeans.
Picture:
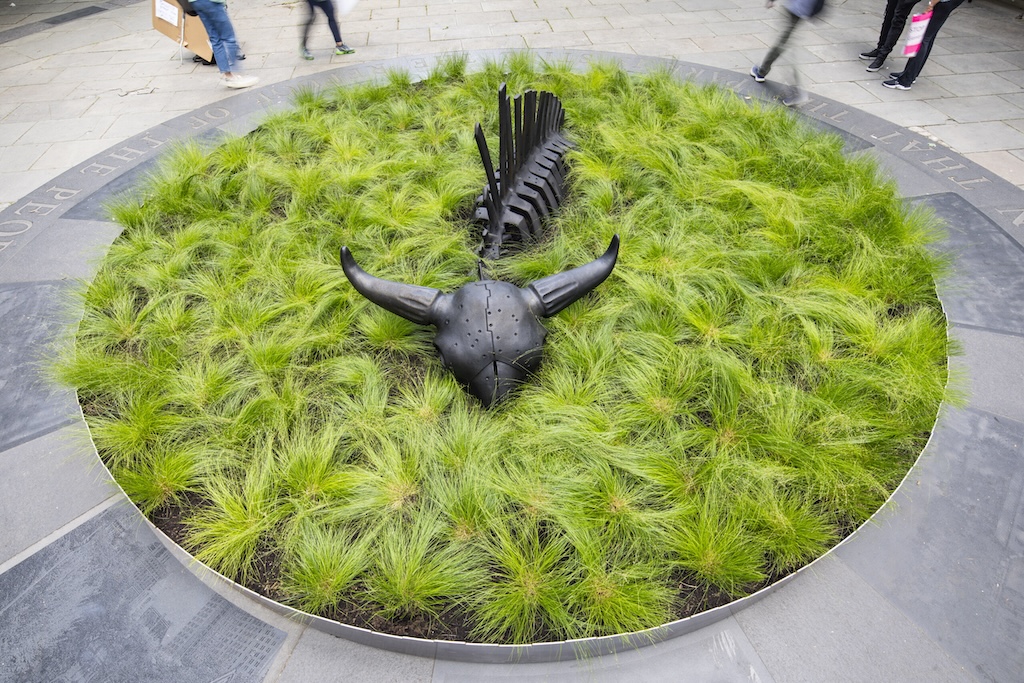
(214, 16)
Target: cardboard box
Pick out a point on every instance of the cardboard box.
(170, 20)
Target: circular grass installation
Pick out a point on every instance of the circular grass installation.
(757, 375)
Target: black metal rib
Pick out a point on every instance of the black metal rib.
(494, 199)
(528, 184)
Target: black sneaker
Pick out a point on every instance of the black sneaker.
(877, 63)
(895, 85)
(869, 55)
(755, 72)
(898, 75)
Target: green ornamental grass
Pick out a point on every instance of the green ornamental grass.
(755, 377)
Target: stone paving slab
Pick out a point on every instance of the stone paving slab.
(720, 653)
(985, 136)
(48, 484)
(976, 62)
(980, 108)
(970, 85)
(34, 315)
(949, 548)
(986, 289)
(996, 390)
(834, 626)
(1006, 164)
(119, 607)
(917, 114)
(321, 657)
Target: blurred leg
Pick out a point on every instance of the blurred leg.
(307, 25)
(791, 21)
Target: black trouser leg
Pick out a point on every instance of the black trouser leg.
(890, 10)
(328, 7)
(899, 20)
(914, 65)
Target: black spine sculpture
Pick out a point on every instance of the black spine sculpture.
(489, 333)
(528, 186)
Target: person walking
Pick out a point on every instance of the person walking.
(327, 7)
(895, 18)
(940, 9)
(214, 15)
(795, 10)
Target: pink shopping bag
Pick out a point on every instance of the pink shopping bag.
(918, 24)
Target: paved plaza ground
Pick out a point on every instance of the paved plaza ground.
(931, 590)
(70, 90)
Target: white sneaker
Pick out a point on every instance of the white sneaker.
(796, 98)
(241, 81)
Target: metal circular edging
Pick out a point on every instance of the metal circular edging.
(241, 113)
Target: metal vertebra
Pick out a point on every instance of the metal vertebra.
(529, 183)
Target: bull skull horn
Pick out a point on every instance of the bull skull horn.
(412, 302)
(555, 292)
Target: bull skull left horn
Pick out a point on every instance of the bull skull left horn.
(489, 333)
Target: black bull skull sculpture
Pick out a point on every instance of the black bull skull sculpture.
(489, 333)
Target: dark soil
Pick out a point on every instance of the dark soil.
(170, 518)
(452, 624)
